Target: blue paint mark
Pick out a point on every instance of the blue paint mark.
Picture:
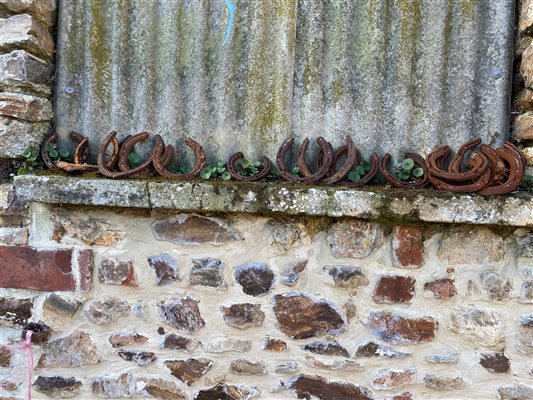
(497, 74)
(231, 8)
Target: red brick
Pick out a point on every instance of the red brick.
(394, 289)
(407, 247)
(26, 267)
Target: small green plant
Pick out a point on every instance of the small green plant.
(296, 171)
(359, 171)
(55, 153)
(249, 168)
(406, 171)
(527, 183)
(217, 170)
(31, 162)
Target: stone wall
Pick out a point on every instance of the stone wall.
(140, 304)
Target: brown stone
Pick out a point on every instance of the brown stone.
(482, 327)
(119, 387)
(291, 273)
(182, 313)
(305, 386)
(164, 390)
(5, 357)
(397, 329)
(471, 245)
(442, 289)
(57, 310)
(24, 32)
(523, 129)
(25, 106)
(8, 386)
(286, 233)
(527, 152)
(141, 358)
(57, 386)
(207, 272)
(394, 378)
(242, 366)
(176, 342)
(165, 267)
(443, 382)
(274, 345)
(189, 370)
(497, 287)
(117, 272)
(354, 238)
(43, 10)
(394, 289)
(495, 362)
(326, 347)
(40, 333)
(256, 279)
(223, 391)
(15, 312)
(193, 230)
(526, 68)
(89, 230)
(28, 267)
(74, 350)
(372, 349)
(121, 339)
(303, 315)
(407, 246)
(243, 315)
(103, 312)
(523, 100)
(347, 276)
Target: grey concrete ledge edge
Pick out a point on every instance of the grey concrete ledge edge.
(376, 203)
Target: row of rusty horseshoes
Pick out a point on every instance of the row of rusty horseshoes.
(486, 171)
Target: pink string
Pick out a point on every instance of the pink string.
(26, 345)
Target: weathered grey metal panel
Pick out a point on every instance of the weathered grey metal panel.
(396, 75)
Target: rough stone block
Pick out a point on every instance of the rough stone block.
(394, 378)
(372, 349)
(347, 276)
(163, 389)
(189, 370)
(165, 267)
(182, 313)
(326, 347)
(121, 339)
(394, 289)
(443, 382)
(308, 386)
(43, 10)
(21, 72)
(89, 230)
(243, 315)
(119, 387)
(495, 362)
(354, 238)
(482, 327)
(256, 279)
(103, 312)
(471, 245)
(242, 366)
(117, 272)
(274, 345)
(223, 390)
(24, 32)
(140, 358)
(498, 287)
(57, 386)
(15, 312)
(523, 129)
(407, 246)
(207, 272)
(25, 267)
(26, 107)
(442, 289)
(14, 236)
(516, 392)
(398, 329)
(181, 343)
(74, 350)
(17, 136)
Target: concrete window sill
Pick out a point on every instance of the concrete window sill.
(377, 203)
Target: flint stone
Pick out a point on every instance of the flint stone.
(242, 366)
(74, 350)
(176, 342)
(274, 345)
(372, 349)
(516, 392)
(354, 238)
(287, 367)
(43, 10)
(141, 358)
(397, 329)
(407, 247)
(394, 378)
(17, 136)
(165, 267)
(446, 358)
(24, 32)
(498, 287)
(15, 312)
(301, 315)
(495, 362)
(305, 386)
(286, 233)
(335, 365)
(164, 390)
(25, 107)
(117, 272)
(114, 388)
(207, 272)
(89, 230)
(243, 316)
(326, 347)
(138, 310)
(256, 279)
(291, 273)
(57, 386)
(227, 344)
(189, 370)
(193, 230)
(442, 289)
(182, 313)
(443, 382)
(223, 391)
(58, 307)
(347, 276)
(482, 327)
(121, 339)
(394, 289)
(107, 310)
(471, 245)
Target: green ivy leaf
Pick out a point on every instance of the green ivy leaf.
(226, 176)
(254, 170)
(26, 153)
(205, 173)
(408, 164)
(366, 165)
(53, 153)
(50, 146)
(22, 171)
(418, 172)
(360, 170)
(404, 176)
(64, 153)
(354, 176)
(295, 170)
(221, 170)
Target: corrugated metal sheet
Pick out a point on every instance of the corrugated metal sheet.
(395, 75)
